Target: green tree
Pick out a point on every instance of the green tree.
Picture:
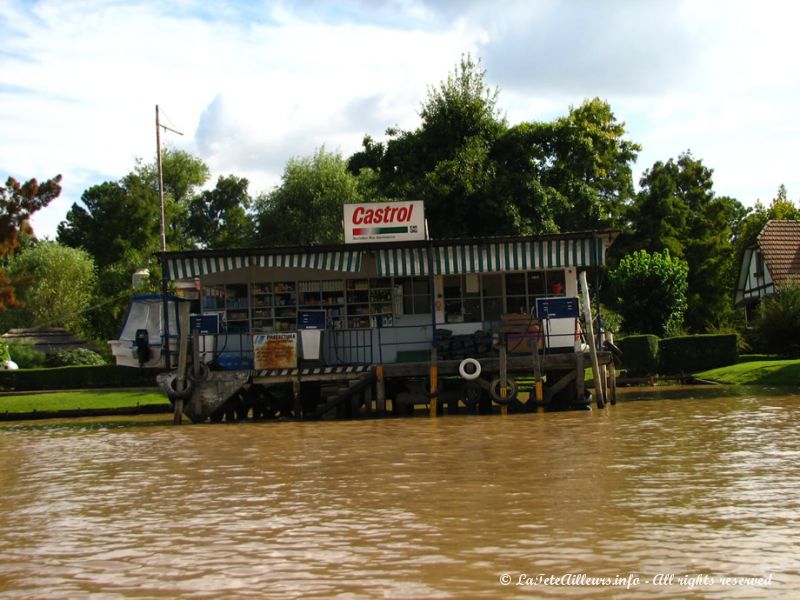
(777, 324)
(478, 176)
(118, 224)
(447, 161)
(58, 286)
(588, 162)
(651, 292)
(118, 218)
(307, 207)
(17, 203)
(677, 211)
(218, 218)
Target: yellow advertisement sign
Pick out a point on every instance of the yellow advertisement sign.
(275, 351)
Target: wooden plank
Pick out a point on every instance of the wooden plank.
(581, 376)
(559, 385)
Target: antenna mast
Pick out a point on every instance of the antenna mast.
(159, 126)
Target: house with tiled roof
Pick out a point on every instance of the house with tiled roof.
(769, 264)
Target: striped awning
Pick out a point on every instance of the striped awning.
(189, 267)
(344, 261)
(492, 257)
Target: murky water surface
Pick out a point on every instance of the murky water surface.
(668, 492)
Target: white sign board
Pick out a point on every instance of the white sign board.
(384, 222)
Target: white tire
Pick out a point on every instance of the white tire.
(467, 373)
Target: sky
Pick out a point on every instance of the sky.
(252, 84)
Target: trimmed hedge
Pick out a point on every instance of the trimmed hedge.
(692, 353)
(77, 378)
(639, 354)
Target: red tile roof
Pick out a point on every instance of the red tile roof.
(780, 245)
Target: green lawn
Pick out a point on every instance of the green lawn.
(757, 370)
(55, 401)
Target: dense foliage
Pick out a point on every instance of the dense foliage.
(777, 325)
(75, 357)
(57, 286)
(652, 291)
(17, 203)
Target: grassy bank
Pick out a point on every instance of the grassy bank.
(80, 400)
(757, 370)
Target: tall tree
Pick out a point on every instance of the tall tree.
(589, 162)
(218, 218)
(122, 219)
(306, 208)
(118, 223)
(17, 203)
(447, 161)
(677, 210)
(478, 176)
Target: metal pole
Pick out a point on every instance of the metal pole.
(164, 274)
(434, 366)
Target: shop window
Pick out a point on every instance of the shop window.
(492, 288)
(416, 295)
(516, 294)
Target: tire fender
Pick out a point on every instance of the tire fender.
(511, 391)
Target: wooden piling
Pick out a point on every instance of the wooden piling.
(612, 372)
(503, 375)
(434, 376)
(183, 351)
(380, 391)
(587, 313)
(298, 404)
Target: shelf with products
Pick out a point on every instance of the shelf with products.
(213, 298)
(284, 293)
(361, 322)
(285, 324)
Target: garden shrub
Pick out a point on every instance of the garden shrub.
(75, 357)
(77, 378)
(777, 325)
(26, 356)
(639, 354)
(692, 353)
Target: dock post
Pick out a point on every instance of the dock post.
(503, 375)
(380, 391)
(580, 380)
(587, 314)
(612, 372)
(298, 404)
(434, 382)
(183, 351)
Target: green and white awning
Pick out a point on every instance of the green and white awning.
(492, 257)
(189, 267)
(348, 261)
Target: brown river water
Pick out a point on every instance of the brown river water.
(686, 493)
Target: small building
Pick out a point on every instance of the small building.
(390, 305)
(375, 299)
(769, 264)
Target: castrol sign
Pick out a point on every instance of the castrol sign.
(384, 222)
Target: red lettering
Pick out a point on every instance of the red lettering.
(410, 210)
(357, 215)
